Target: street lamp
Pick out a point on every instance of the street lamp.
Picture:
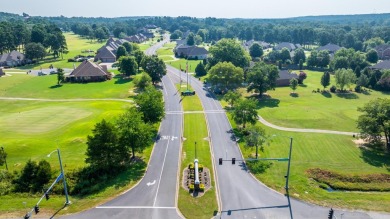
(63, 175)
(5, 158)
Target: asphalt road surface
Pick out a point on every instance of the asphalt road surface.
(240, 194)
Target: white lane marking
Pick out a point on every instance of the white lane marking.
(165, 89)
(135, 207)
(162, 169)
(151, 183)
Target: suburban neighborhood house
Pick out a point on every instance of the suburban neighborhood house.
(249, 43)
(191, 52)
(2, 73)
(12, 59)
(89, 72)
(108, 52)
(332, 48)
(284, 78)
(290, 46)
(384, 65)
(383, 51)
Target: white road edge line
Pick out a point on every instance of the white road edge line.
(162, 170)
(134, 207)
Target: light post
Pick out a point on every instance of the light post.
(5, 158)
(63, 175)
(289, 163)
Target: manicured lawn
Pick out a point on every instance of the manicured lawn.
(167, 49)
(195, 130)
(331, 152)
(190, 103)
(314, 110)
(182, 62)
(22, 85)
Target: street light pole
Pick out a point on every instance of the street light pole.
(289, 162)
(5, 158)
(63, 175)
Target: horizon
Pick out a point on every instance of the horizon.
(247, 9)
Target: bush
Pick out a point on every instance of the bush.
(333, 89)
(71, 60)
(258, 166)
(201, 187)
(191, 188)
(5, 182)
(358, 89)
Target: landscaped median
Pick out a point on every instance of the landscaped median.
(195, 130)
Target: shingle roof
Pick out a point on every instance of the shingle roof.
(195, 51)
(330, 47)
(88, 69)
(284, 74)
(105, 52)
(382, 65)
(12, 56)
(289, 46)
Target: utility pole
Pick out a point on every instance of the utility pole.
(5, 158)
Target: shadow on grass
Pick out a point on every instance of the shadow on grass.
(122, 80)
(326, 94)
(375, 156)
(269, 103)
(294, 95)
(347, 95)
(302, 85)
(55, 86)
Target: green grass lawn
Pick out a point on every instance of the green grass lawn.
(182, 62)
(190, 103)
(331, 152)
(167, 49)
(195, 130)
(22, 85)
(314, 110)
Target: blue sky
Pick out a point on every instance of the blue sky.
(196, 8)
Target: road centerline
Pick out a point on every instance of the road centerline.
(162, 169)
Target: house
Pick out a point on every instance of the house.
(181, 42)
(289, 46)
(138, 38)
(2, 73)
(332, 48)
(284, 78)
(384, 65)
(89, 72)
(105, 54)
(12, 59)
(383, 51)
(151, 26)
(191, 52)
(249, 43)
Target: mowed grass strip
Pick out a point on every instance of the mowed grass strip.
(167, 49)
(332, 152)
(328, 111)
(183, 63)
(195, 130)
(190, 103)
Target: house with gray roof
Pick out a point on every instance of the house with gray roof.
(14, 58)
(105, 54)
(289, 46)
(284, 78)
(89, 72)
(332, 48)
(383, 51)
(384, 65)
(249, 43)
(191, 52)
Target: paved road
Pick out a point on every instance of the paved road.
(240, 194)
(153, 49)
(304, 130)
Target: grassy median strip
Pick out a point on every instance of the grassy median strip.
(195, 130)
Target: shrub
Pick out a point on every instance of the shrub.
(5, 182)
(333, 89)
(200, 167)
(358, 89)
(191, 187)
(201, 187)
(71, 60)
(258, 166)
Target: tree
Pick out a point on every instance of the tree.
(42, 175)
(312, 60)
(300, 64)
(285, 55)
(323, 58)
(143, 81)
(256, 50)
(150, 103)
(299, 54)
(139, 55)
(101, 33)
(121, 52)
(344, 77)
(200, 70)
(339, 62)
(372, 43)
(60, 76)
(191, 39)
(155, 67)
(104, 153)
(35, 51)
(262, 77)
(293, 84)
(38, 34)
(33, 177)
(256, 138)
(325, 79)
(301, 77)
(231, 97)
(375, 120)
(128, 47)
(133, 132)
(245, 112)
(228, 50)
(128, 65)
(198, 40)
(372, 56)
(362, 81)
(3, 157)
(225, 76)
